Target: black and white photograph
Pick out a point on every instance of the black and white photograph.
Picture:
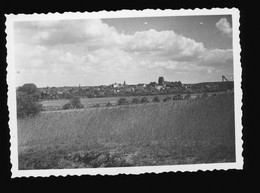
(124, 92)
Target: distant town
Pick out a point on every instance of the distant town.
(161, 87)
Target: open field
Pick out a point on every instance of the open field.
(181, 132)
(89, 102)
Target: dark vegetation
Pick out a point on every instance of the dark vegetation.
(122, 101)
(156, 99)
(166, 99)
(135, 101)
(74, 104)
(27, 99)
(109, 104)
(144, 100)
(168, 88)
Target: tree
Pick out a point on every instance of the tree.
(96, 105)
(166, 99)
(67, 106)
(177, 97)
(144, 100)
(214, 94)
(135, 101)
(108, 104)
(204, 95)
(30, 89)
(152, 84)
(75, 102)
(122, 101)
(187, 97)
(156, 99)
(27, 105)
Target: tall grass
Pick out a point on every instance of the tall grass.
(171, 122)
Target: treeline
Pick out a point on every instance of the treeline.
(156, 99)
(149, 89)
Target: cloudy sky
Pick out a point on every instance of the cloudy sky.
(138, 50)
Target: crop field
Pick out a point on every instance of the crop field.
(175, 132)
(89, 102)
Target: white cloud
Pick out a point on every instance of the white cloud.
(164, 43)
(224, 26)
(218, 57)
(90, 49)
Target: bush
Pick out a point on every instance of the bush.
(214, 95)
(74, 101)
(187, 97)
(205, 95)
(27, 105)
(67, 106)
(144, 100)
(122, 101)
(177, 97)
(96, 105)
(135, 101)
(156, 99)
(73, 104)
(166, 99)
(79, 106)
(108, 104)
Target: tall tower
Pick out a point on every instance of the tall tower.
(160, 80)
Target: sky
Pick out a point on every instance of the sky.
(92, 52)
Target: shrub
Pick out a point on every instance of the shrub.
(144, 100)
(156, 99)
(177, 97)
(166, 99)
(135, 101)
(73, 104)
(214, 94)
(108, 104)
(187, 97)
(67, 106)
(27, 105)
(79, 106)
(122, 101)
(96, 105)
(74, 101)
(205, 95)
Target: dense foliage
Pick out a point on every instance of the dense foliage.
(122, 101)
(27, 98)
(156, 99)
(144, 100)
(74, 103)
(135, 101)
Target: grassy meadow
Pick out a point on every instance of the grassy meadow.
(89, 102)
(176, 132)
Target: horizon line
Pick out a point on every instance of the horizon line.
(79, 85)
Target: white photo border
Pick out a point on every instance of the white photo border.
(11, 18)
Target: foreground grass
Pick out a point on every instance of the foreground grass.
(192, 131)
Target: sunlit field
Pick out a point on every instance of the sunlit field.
(90, 102)
(176, 132)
